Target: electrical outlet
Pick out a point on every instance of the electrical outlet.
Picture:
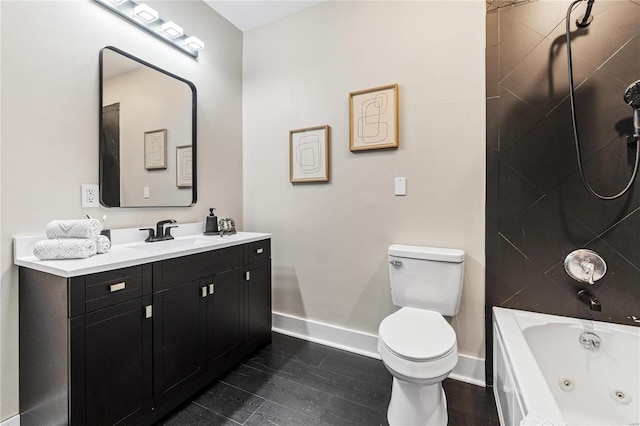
(90, 195)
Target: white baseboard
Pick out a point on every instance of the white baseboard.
(469, 369)
(12, 421)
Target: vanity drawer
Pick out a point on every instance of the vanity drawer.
(257, 251)
(173, 272)
(112, 287)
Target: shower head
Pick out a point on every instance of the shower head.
(632, 98)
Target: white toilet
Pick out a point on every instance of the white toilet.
(416, 344)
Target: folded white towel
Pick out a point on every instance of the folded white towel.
(82, 228)
(103, 244)
(65, 248)
(537, 419)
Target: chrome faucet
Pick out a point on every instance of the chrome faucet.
(162, 233)
(590, 299)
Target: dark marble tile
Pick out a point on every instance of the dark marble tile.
(343, 412)
(359, 367)
(469, 404)
(541, 79)
(601, 114)
(545, 156)
(516, 194)
(598, 42)
(624, 64)
(271, 414)
(492, 71)
(492, 25)
(230, 402)
(298, 350)
(193, 414)
(625, 238)
(617, 291)
(541, 17)
(607, 173)
(519, 118)
(365, 393)
(547, 297)
(513, 273)
(516, 42)
(493, 123)
(545, 234)
(285, 392)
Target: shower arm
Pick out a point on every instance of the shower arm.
(574, 119)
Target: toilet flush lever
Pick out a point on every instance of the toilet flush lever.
(396, 263)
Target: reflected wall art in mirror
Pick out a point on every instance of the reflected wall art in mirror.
(147, 134)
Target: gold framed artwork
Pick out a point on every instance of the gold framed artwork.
(373, 118)
(309, 154)
(155, 149)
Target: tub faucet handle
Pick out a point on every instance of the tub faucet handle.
(589, 268)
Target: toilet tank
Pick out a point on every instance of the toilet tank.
(426, 277)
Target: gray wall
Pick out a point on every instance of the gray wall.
(330, 240)
(537, 208)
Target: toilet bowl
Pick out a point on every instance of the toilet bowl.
(419, 349)
(416, 344)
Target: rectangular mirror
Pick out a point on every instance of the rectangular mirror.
(147, 134)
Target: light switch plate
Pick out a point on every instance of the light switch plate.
(401, 186)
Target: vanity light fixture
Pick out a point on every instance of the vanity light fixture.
(148, 19)
(172, 29)
(194, 43)
(146, 13)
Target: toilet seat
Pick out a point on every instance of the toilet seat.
(417, 334)
(417, 345)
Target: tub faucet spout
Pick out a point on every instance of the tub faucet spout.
(590, 299)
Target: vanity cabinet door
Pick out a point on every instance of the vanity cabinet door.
(225, 312)
(179, 338)
(258, 287)
(111, 365)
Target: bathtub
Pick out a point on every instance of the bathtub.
(544, 374)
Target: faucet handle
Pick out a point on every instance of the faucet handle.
(167, 232)
(151, 235)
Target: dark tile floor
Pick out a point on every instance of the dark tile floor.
(293, 382)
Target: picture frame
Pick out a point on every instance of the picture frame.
(155, 149)
(373, 118)
(184, 169)
(309, 154)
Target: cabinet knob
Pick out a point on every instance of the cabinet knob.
(148, 311)
(211, 288)
(247, 275)
(203, 291)
(117, 287)
(259, 251)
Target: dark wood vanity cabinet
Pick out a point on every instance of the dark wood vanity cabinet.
(96, 351)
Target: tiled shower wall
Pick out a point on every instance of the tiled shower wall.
(537, 208)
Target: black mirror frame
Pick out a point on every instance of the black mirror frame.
(194, 128)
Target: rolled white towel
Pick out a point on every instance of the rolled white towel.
(81, 228)
(65, 248)
(103, 244)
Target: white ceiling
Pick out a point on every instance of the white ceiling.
(248, 14)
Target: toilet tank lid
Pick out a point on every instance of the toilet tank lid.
(427, 253)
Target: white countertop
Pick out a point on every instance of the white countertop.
(129, 249)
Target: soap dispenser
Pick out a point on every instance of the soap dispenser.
(211, 223)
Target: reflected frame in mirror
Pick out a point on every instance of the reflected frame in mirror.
(116, 187)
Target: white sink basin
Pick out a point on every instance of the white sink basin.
(171, 245)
